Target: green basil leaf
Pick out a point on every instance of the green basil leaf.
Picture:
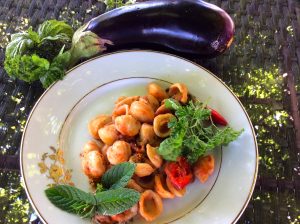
(56, 69)
(112, 202)
(72, 200)
(21, 42)
(55, 30)
(118, 176)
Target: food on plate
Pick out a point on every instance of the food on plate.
(148, 155)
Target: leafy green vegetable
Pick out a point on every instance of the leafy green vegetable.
(116, 201)
(55, 30)
(118, 176)
(72, 200)
(107, 202)
(26, 67)
(192, 135)
(31, 55)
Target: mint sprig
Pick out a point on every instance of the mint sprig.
(106, 202)
(118, 176)
(116, 201)
(72, 200)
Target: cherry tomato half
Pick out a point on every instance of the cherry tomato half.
(179, 173)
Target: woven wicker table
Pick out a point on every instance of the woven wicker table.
(262, 67)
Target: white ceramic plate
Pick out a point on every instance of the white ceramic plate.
(60, 119)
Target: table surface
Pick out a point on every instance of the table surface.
(262, 67)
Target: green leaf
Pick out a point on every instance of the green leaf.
(27, 67)
(55, 30)
(56, 69)
(116, 201)
(172, 104)
(118, 176)
(21, 42)
(72, 200)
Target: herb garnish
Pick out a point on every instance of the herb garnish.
(192, 132)
(115, 200)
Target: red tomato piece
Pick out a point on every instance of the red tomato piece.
(179, 173)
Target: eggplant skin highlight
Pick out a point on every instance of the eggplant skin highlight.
(184, 26)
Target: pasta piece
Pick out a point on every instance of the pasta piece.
(91, 146)
(142, 111)
(179, 92)
(176, 192)
(128, 101)
(119, 152)
(147, 134)
(160, 188)
(151, 205)
(143, 169)
(126, 215)
(151, 100)
(127, 125)
(108, 134)
(160, 125)
(97, 123)
(204, 167)
(156, 91)
(121, 110)
(104, 152)
(146, 182)
(93, 164)
(153, 156)
(133, 185)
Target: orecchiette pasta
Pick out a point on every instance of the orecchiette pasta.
(152, 101)
(143, 169)
(97, 123)
(156, 91)
(204, 167)
(93, 164)
(160, 188)
(150, 205)
(119, 152)
(176, 192)
(179, 92)
(127, 100)
(153, 156)
(91, 146)
(108, 134)
(146, 182)
(121, 110)
(160, 125)
(127, 125)
(133, 132)
(142, 111)
(133, 185)
(147, 134)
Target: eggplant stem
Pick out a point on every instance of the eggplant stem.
(86, 44)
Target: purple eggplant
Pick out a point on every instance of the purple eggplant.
(184, 26)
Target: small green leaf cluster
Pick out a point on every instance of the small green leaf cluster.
(111, 196)
(192, 132)
(40, 55)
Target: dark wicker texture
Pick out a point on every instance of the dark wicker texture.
(262, 67)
